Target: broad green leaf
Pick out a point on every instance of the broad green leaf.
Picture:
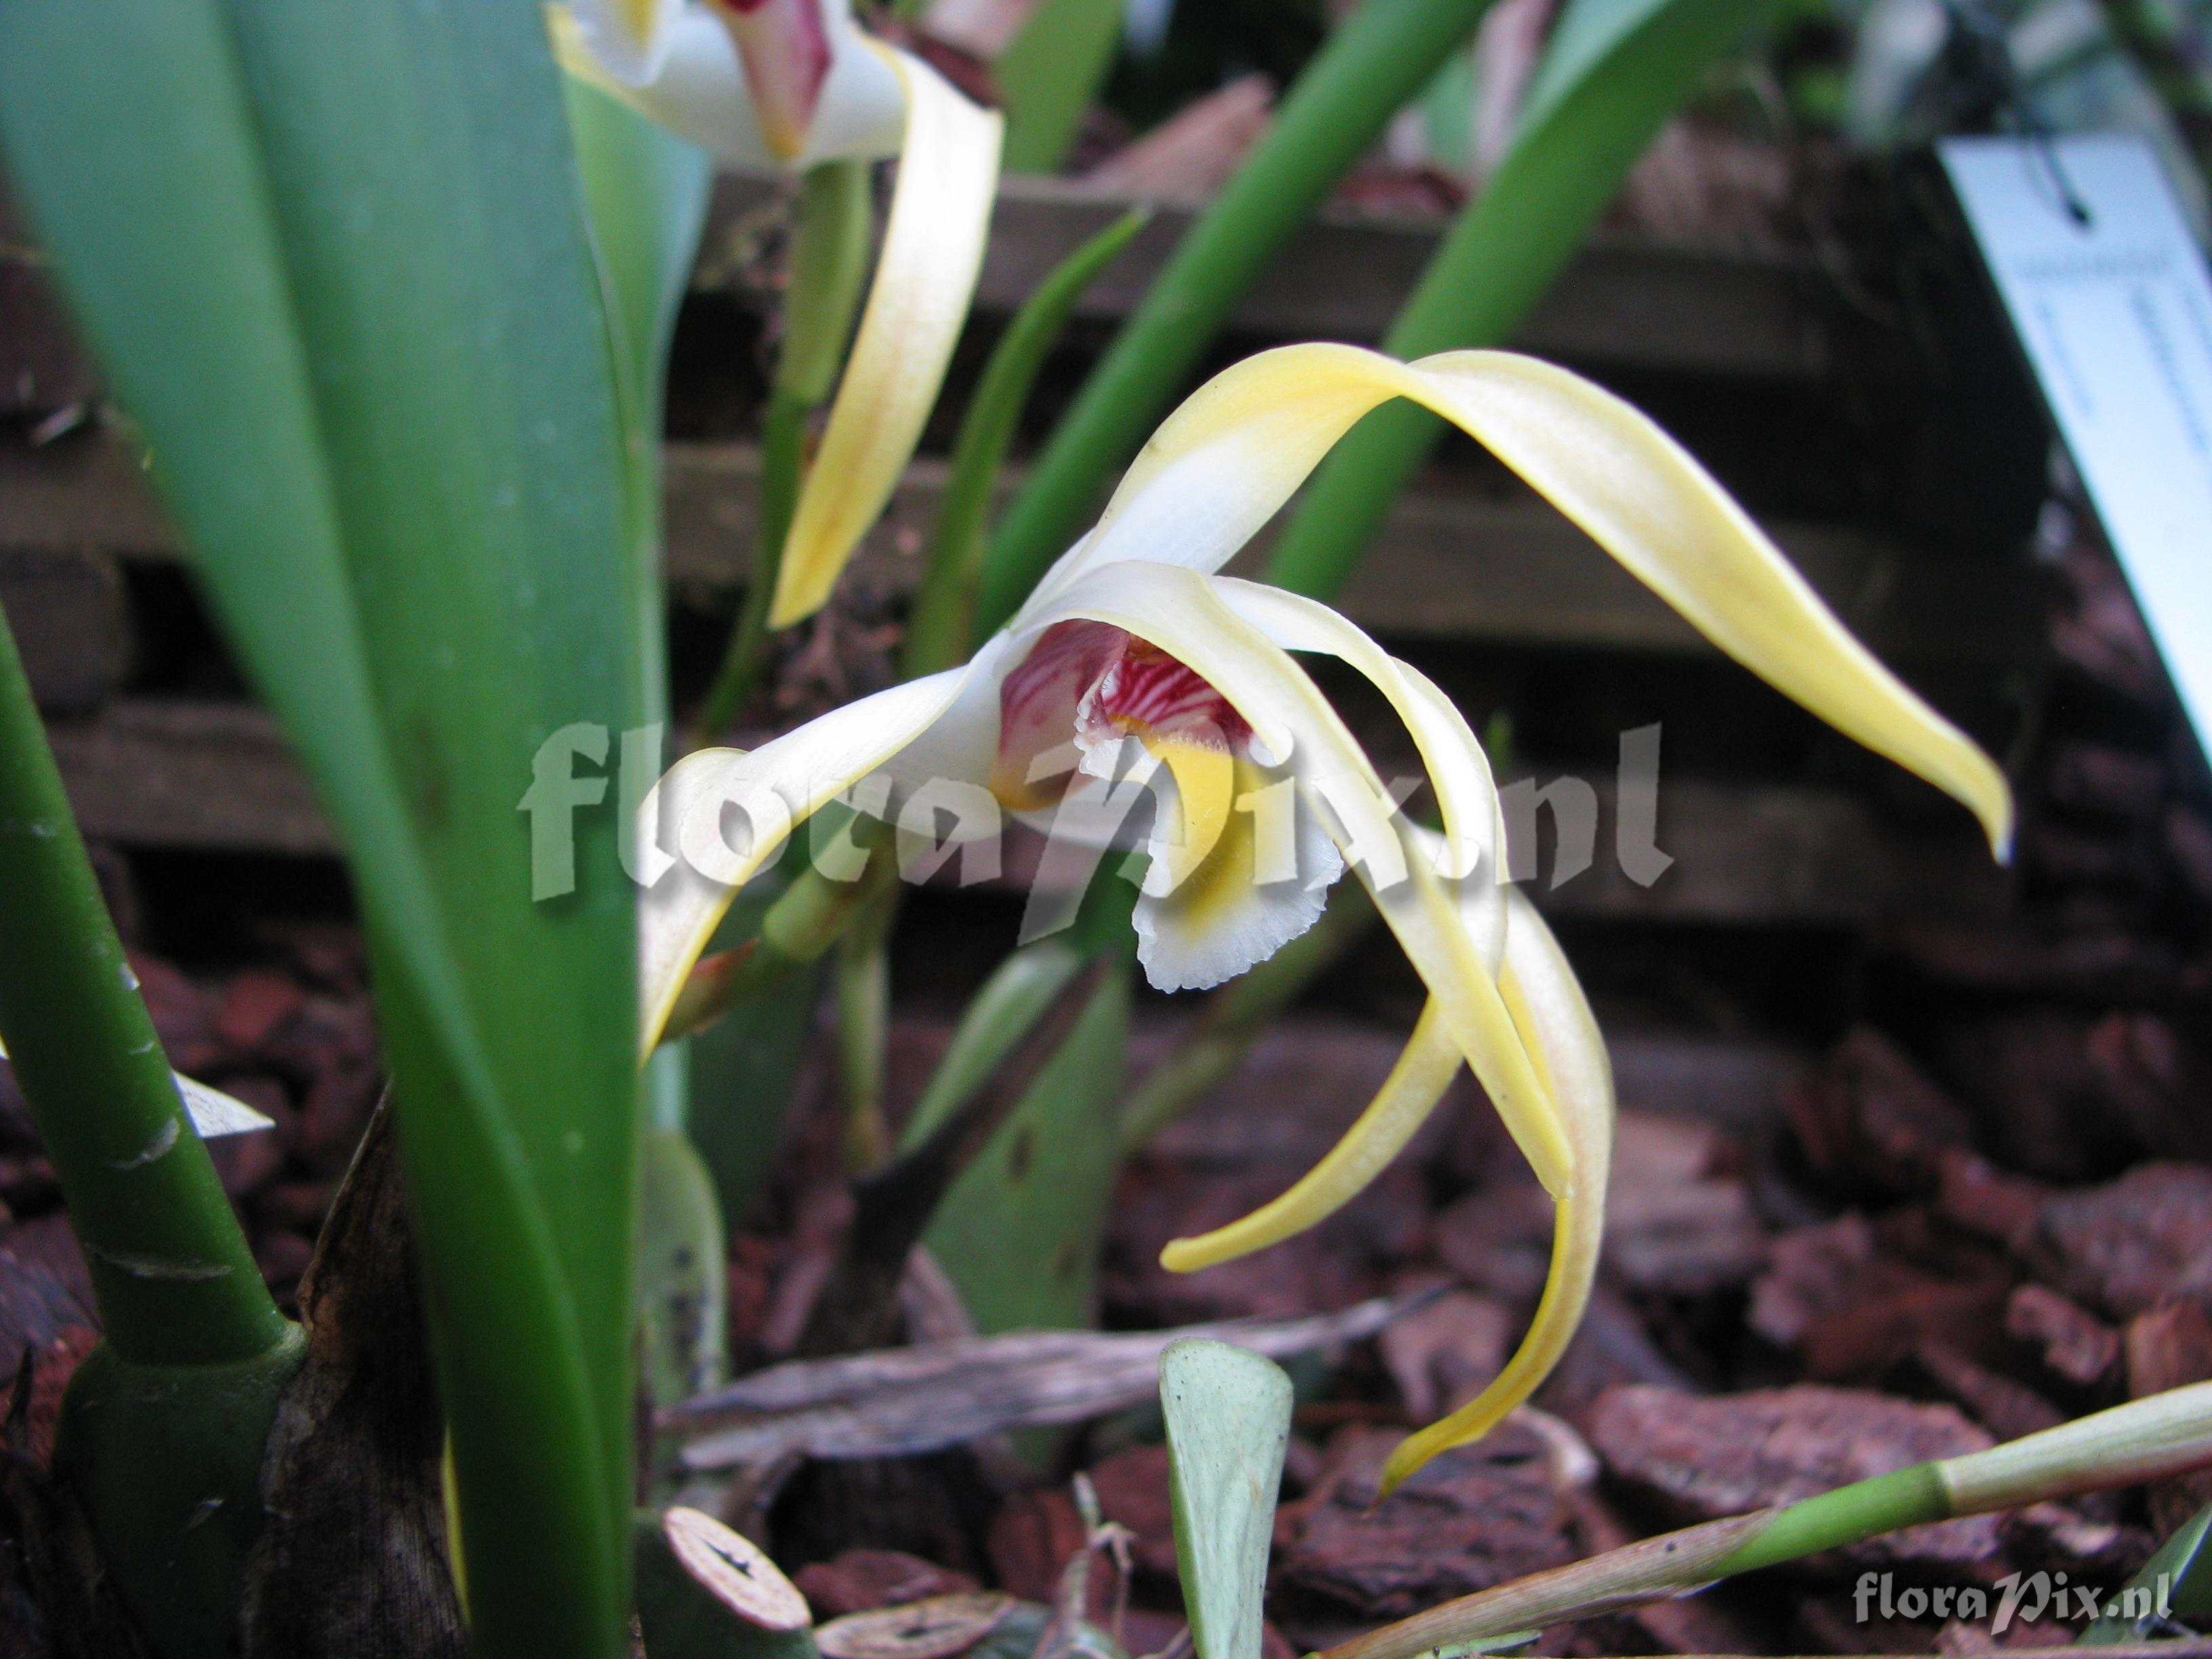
(1228, 1415)
(1018, 1232)
(645, 194)
(2174, 1587)
(348, 299)
(1614, 71)
(1048, 76)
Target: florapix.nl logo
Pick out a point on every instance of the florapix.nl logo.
(2025, 1598)
(581, 769)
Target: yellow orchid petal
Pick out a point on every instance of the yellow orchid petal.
(776, 787)
(1223, 464)
(932, 253)
(1263, 882)
(1424, 1070)
(1549, 1008)
(1458, 769)
(1179, 612)
(1206, 780)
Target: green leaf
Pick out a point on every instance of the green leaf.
(682, 1270)
(2174, 1587)
(745, 1067)
(1016, 996)
(942, 629)
(1614, 71)
(645, 197)
(1048, 76)
(1018, 1232)
(1228, 1415)
(348, 299)
(1381, 57)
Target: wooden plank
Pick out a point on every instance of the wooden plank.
(208, 776)
(1453, 562)
(1621, 304)
(1744, 855)
(1756, 853)
(85, 489)
(71, 623)
(42, 368)
(215, 776)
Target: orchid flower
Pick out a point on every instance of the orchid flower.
(787, 84)
(1136, 663)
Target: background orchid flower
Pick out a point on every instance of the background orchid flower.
(788, 83)
(1134, 649)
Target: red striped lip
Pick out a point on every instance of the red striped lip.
(1097, 682)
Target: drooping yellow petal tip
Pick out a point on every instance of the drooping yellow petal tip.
(1558, 1313)
(932, 253)
(1424, 1070)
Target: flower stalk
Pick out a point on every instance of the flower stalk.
(829, 261)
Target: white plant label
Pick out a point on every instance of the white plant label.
(2109, 294)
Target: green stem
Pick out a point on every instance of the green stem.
(175, 1282)
(828, 266)
(783, 456)
(2167, 1434)
(864, 996)
(1373, 64)
(942, 629)
(1568, 160)
(810, 916)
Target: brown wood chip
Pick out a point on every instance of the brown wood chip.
(935, 1629)
(897, 1402)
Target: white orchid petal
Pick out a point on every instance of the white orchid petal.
(1234, 911)
(626, 38)
(776, 786)
(1424, 1070)
(1553, 1014)
(1179, 612)
(963, 740)
(1223, 464)
(1467, 794)
(932, 253)
(860, 114)
(697, 88)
